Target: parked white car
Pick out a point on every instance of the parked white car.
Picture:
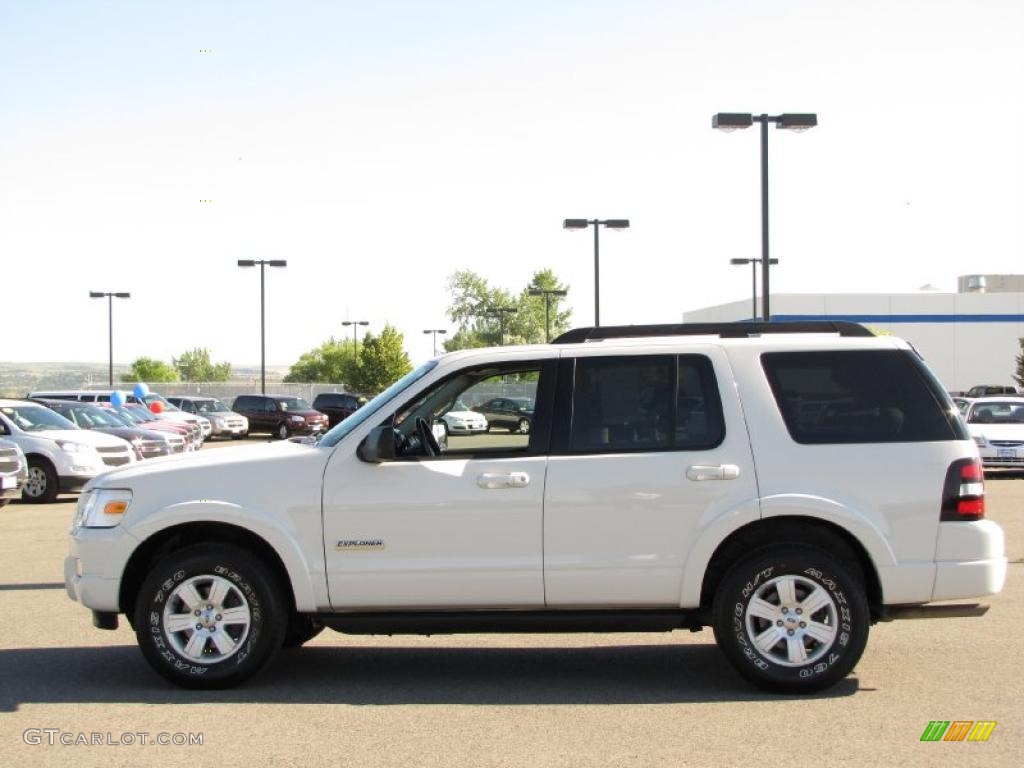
(997, 426)
(737, 476)
(13, 471)
(61, 457)
(463, 421)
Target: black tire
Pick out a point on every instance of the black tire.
(250, 577)
(239, 437)
(45, 476)
(523, 428)
(757, 575)
(301, 630)
(282, 431)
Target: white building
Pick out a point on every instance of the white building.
(967, 338)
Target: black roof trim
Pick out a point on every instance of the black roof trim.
(723, 330)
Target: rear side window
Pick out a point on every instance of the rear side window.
(859, 396)
(244, 403)
(645, 403)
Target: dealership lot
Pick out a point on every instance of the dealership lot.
(633, 699)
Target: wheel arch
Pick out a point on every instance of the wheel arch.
(791, 529)
(175, 537)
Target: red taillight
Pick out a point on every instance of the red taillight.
(963, 495)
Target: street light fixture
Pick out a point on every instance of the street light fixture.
(753, 281)
(355, 329)
(732, 121)
(501, 313)
(596, 224)
(110, 324)
(547, 293)
(263, 314)
(435, 331)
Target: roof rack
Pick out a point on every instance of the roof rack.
(723, 330)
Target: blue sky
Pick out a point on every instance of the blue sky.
(380, 146)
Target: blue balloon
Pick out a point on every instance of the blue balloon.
(140, 391)
(117, 398)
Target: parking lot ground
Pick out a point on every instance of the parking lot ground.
(513, 700)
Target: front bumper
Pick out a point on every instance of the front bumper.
(12, 483)
(75, 483)
(93, 567)
(1002, 457)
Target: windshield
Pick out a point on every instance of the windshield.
(138, 413)
(35, 418)
(293, 404)
(91, 417)
(168, 406)
(335, 436)
(210, 406)
(1007, 412)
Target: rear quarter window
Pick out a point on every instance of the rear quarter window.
(859, 396)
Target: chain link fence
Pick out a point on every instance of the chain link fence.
(229, 390)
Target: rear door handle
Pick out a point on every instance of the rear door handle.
(492, 480)
(713, 472)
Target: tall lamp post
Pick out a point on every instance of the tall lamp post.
(110, 323)
(501, 313)
(753, 281)
(596, 224)
(732, 121)
(547, 293)
(355, 343)
(435, 331)
(263, 314)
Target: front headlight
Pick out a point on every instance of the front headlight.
(980, 441)
(69, 447)
(103, 508)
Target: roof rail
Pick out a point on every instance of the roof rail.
(723, 330)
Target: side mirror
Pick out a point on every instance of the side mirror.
(378, 446)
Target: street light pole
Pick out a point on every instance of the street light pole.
(547, 293)
(110, 325)
(435, 331)
(753, 281)
(596, 224)
(355, 329)
(731, 121)
(263, 314)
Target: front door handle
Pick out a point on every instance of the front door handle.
(713, 472)
(492, 480)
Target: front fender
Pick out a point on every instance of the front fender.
(278, 531)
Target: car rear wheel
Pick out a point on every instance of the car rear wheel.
(523, 427)
(792, 618)
(282, 431)
(42, 484)
(210, 616)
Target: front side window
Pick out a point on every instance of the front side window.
(857, 396)
(461, 408)
(645, 403)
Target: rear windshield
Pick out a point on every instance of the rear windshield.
(860, 396)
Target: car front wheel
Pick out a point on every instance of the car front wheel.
(792, 618)
(523, 427)
(282, 431)
(210, 616)
(42, 484)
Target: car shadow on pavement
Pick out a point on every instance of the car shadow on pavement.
(629, 674)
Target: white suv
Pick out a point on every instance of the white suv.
(786, 484)
(61, 457)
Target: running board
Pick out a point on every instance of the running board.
(463, 622)
(961, 610)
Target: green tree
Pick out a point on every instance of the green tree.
(382, 361)
(1019, 376)
(195, 365)
(332, 362)
(471, 295)
(150, 371)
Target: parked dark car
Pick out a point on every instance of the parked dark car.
(337, 405)
(280, 415)
(147, 443)
(513, 413)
